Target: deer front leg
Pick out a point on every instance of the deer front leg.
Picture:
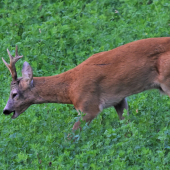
(91, 113)
(120, 107)
(88, 118)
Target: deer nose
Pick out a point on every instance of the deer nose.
(6, 112)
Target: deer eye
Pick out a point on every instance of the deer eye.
(14, 95)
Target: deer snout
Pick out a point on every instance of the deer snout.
(6, 112)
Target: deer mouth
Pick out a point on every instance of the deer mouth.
(15, 115)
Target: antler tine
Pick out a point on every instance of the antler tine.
(6, 65)
(13, 60)
(17, 57)
(16, 51)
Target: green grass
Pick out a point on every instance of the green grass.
(55, 36)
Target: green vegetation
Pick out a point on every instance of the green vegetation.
(55, 36)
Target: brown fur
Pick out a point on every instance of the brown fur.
(103, 80)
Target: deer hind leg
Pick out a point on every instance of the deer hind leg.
(120, 107)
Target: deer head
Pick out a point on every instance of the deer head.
(20, 95)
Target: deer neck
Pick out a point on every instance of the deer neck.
(52, 89)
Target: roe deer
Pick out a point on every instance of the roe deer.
(102, 81)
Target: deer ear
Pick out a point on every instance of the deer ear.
(27, 73)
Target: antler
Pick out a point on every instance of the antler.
(13, 60)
